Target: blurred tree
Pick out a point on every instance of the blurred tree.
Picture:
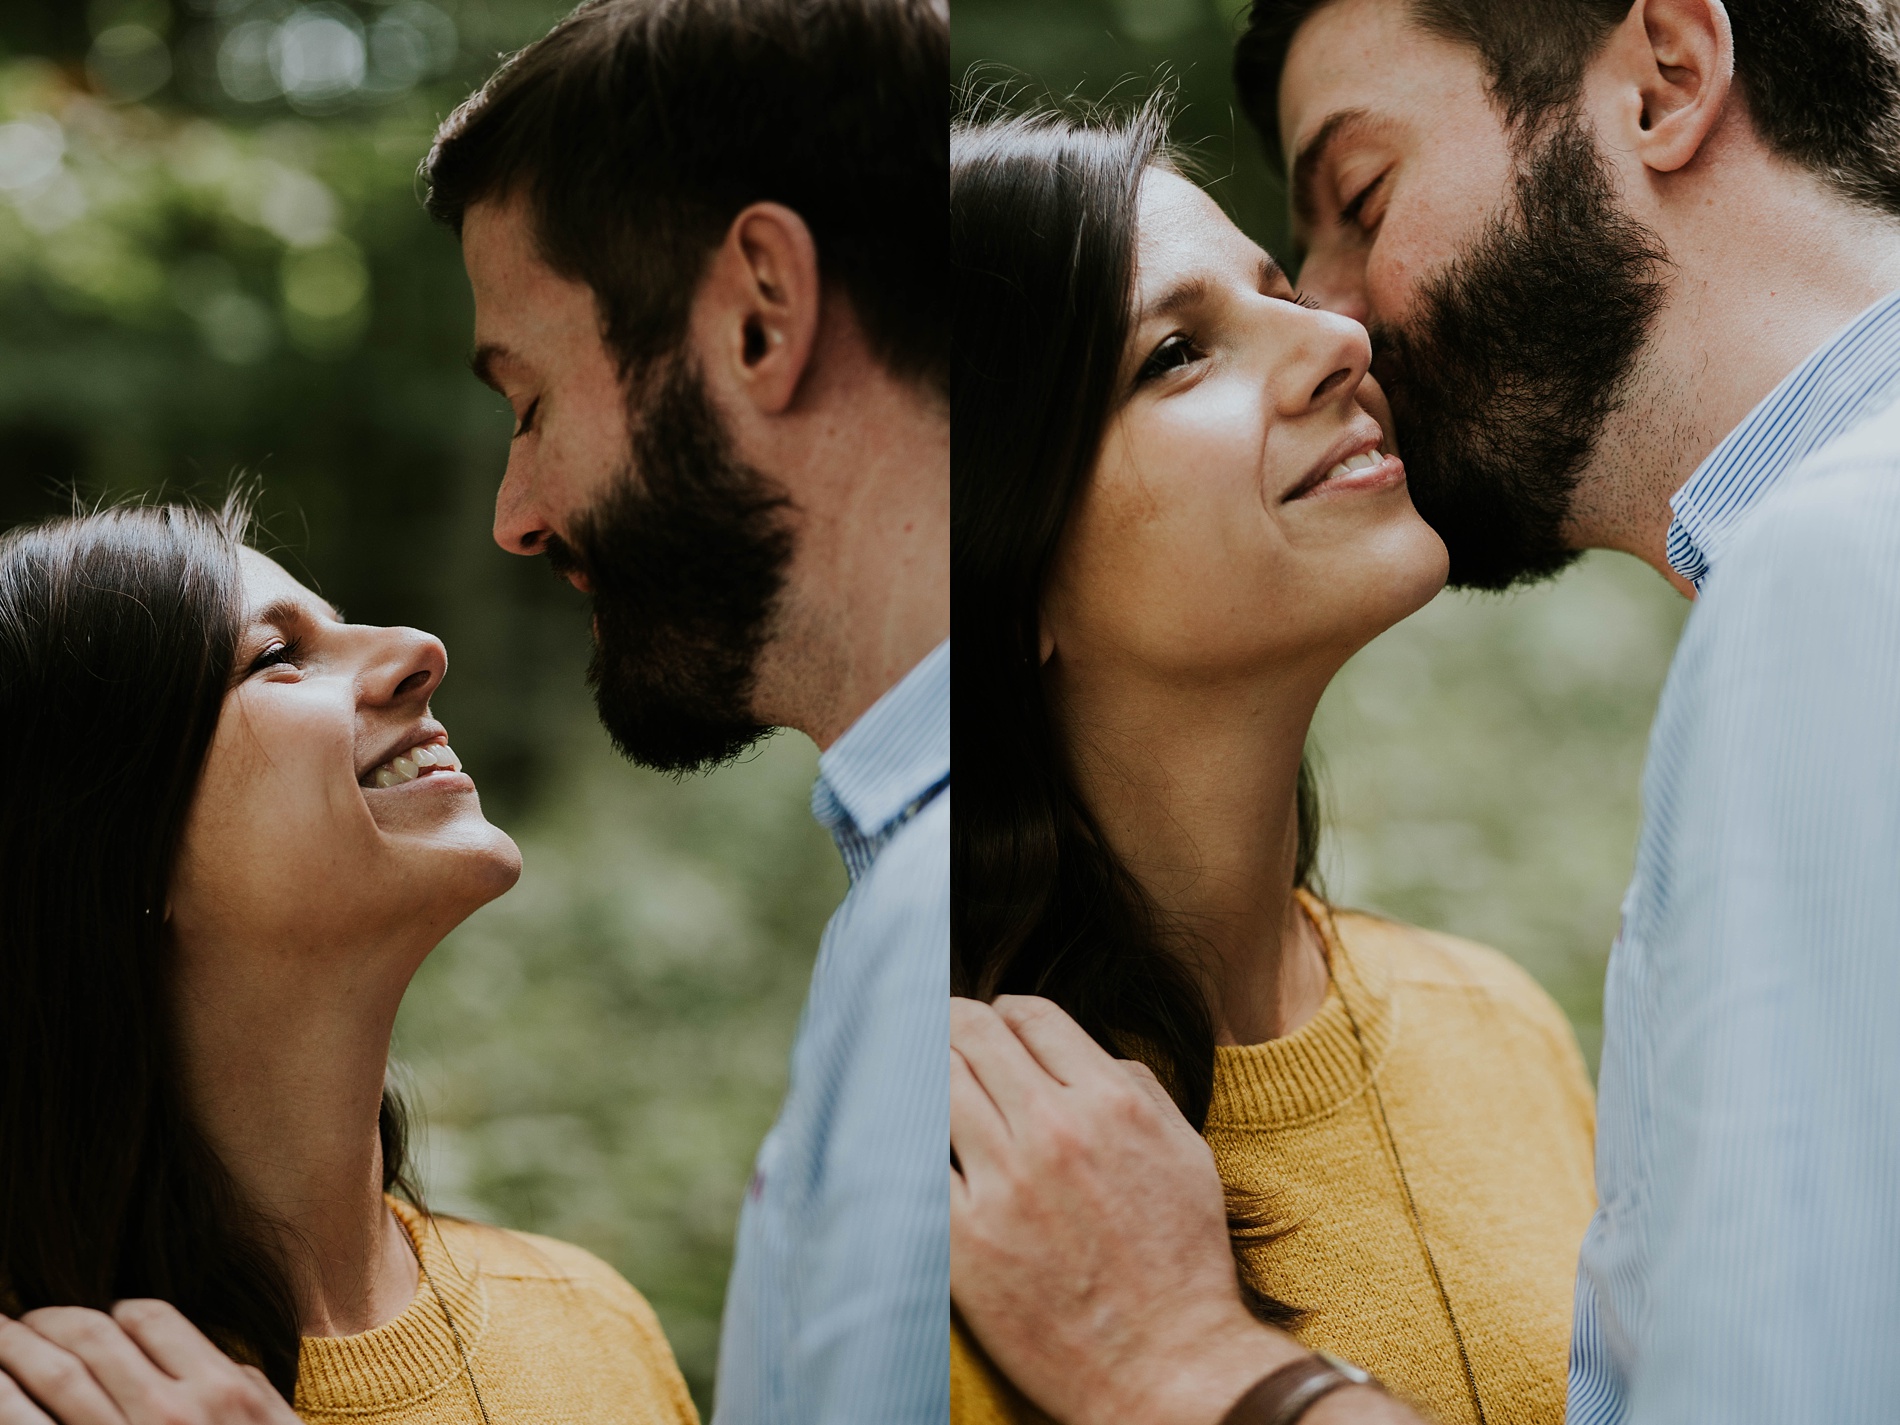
(1108, 50)
(213, 259)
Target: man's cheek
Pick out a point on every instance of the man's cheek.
(1394, 276)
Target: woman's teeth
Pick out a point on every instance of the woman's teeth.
(431, 756)
(1356, 464)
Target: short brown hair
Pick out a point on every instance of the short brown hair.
(637, 129)
(1821, 77)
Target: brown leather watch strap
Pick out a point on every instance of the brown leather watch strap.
(1284, 1395)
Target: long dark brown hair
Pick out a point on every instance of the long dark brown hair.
(118, 635)
(1043, 238)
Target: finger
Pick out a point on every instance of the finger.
(1143, 1078)
(1057, 1042)
(165, 1335)
(1007, 1071)
(55, 1378)
(978, 1133)
(271, 1405)
(17, 1408)
(116, 1361)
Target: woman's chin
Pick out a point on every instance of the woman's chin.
(489, 865)
(460, 867)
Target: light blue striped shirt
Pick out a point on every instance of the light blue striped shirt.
(838, 1312)
(1744, 1266)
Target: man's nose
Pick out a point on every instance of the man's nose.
(519, 527)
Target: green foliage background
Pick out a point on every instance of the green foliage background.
(1482, 758)
(213, 259)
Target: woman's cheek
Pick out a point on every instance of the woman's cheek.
(301, 751)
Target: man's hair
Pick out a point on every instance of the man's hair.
(1821, 78)
(636, 130)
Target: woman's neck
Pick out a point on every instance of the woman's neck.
(1196, 788)
(284, 1059)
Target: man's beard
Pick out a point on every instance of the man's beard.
(1523, 349)
(686, 554)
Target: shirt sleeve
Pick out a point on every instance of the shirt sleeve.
(1775, 1255)
(873, 1339)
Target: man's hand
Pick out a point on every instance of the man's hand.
(145, 1364)
(1088, 1234)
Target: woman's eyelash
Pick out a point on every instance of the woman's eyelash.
(1300, 299)
(277, 655)
(526, 423)
(1176, 351)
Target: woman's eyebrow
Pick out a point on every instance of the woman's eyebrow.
(1188, 292)
(290, 613)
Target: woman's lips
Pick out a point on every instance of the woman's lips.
(425, 761)
(1360, 475)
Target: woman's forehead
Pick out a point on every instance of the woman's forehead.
(1184, 232)
(269, 586)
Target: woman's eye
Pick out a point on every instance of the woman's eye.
(277, 655)
(526, 422)
(1177, 351)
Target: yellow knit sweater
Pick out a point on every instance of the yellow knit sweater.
(554, 1336)
(1493, 1119)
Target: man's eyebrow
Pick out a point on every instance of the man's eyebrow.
(1313, 153)
(482, 363)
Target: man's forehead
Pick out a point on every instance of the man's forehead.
(504, 261)
(525, 311)
(1361, 56)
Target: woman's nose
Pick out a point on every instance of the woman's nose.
(1337, 282)
(1331, 357)
(409, 667)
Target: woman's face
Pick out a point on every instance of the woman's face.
(1247, 511)
(331, 812)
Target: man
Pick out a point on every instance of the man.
(707, 247)
(1629, 272)
(705, 242)
(708, 251)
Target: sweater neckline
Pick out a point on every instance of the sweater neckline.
(413, 1356)
(1320, 1067)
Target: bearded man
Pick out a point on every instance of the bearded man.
(1630, 270)
(707, 245)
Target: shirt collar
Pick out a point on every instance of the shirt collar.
(897, 752)
(1853, 374)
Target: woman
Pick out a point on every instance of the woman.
(230, 833)
(1177, 514)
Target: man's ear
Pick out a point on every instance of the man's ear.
(1673, 63)
(759, 305)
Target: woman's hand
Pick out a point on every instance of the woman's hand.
(144, 1364)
